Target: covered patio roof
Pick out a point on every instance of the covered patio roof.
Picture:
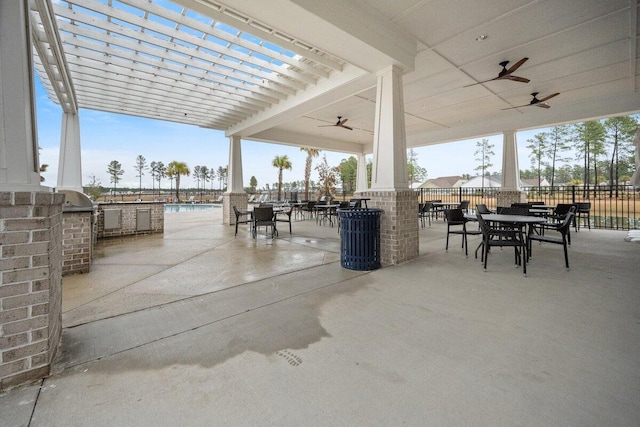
(277, 70)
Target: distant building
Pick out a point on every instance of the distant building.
(443, 182)
(489, 182)
(526, 184)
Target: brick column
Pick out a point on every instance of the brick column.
(398, 224)
(506, 197)
(77, 242)
(30, 284)
(229, 200)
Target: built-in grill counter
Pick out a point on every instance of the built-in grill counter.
(118, 219)
(78, 232)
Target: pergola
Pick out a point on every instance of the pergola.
(274, 70)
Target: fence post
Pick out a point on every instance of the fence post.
(573, 194)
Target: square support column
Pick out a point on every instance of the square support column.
(30, 284)
(235, 195)
(510, 191)
(390, 187)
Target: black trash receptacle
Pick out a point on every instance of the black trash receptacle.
(360, 238)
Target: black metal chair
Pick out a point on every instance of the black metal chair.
(355, 203)
(456, 218)
(425, 211)
(563, 228)
(239, 216)
(464, 205)
(583, 211)
(501, 237)
(482, 209)
(263, 217)
(309, 207)
(285, 216)
(556, 218)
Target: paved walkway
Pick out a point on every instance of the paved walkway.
(197, 327)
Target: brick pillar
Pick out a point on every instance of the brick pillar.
(506, 197)
(30, 284)
(398, 224)
(77, 242)
(229, 200)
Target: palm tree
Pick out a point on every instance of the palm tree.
(311, 153)
(281, 162)
(176, 169)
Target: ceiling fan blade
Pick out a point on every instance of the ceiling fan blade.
(519, 79)
(518, 106)
(486, 81)
(326, 126)
(340, 123)
(542, 105)
(346, 127)
(517, 65)
(549, 97)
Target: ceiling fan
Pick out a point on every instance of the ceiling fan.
(505, 74)
(339, 123)
(537, 102)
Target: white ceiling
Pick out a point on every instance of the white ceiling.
(149, 59)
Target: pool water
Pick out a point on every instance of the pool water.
(179, 207)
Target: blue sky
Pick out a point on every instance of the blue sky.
(106, 137)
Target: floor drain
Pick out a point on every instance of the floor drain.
(291, 358)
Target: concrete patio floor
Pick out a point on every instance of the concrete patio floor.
(196, 327)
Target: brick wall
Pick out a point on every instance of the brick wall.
(398, 224)
(30, 284)
(129, 211)
(77, 242)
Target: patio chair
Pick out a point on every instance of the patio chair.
(263, 217)
(515, 210)
(563, 228)
(464, 205)
(456, 218)
(239, 216)
(355, 203)
(437, 210)
(309, 207)
(285, 216)
(501, 237)
(583, 211)
(425, 212)
(482, 209)
(556, 218)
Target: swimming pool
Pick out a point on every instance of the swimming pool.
(188, 207)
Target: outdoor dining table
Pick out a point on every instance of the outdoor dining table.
(513, 219)
(517, 220)
(324, 212)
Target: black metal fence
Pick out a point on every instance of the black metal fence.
(614, 207)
